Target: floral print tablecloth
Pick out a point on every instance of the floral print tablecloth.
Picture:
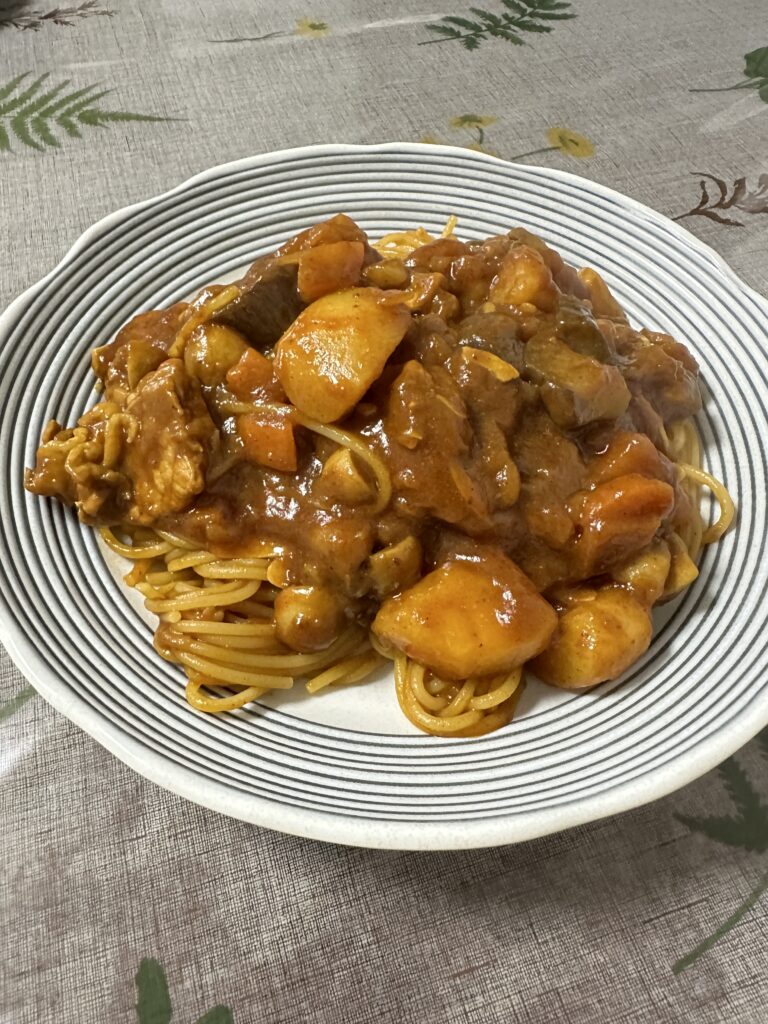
(120, 902)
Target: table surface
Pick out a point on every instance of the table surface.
(123, 903)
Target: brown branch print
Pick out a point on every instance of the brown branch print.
(719, 204)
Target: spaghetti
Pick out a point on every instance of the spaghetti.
(277, 544)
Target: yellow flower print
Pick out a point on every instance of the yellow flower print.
(475, 124)
(431, 140)
(308, 27)
(570, 142)
(472, 121)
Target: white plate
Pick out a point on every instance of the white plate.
(346, 767)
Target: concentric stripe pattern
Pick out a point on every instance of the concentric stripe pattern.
(700, 691)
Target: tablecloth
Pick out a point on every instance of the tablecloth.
(121, 902)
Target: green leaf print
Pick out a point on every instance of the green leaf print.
(15, 703)
(756, 63)
(41, 118)
(756, 70)
(516, 19)
(153, 1004)
(218, 1015)
(62, 16)
(746, 828)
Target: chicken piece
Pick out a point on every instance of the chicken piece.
(598, 637)
(167, 459)
(334, 351)
(618, 518)
(469, 618)
(430, 434)
(551, 470)
(139, 347)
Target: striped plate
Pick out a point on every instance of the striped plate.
(346, 767)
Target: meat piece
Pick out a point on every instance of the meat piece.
(267, 305)
(493, 332)
(430, 437)
(578, 328)
(140, 346)
(167, 458)
(666, 374)
(575, 389)
(469, 618)
(131, 464)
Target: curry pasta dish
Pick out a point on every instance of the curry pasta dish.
(457, 456)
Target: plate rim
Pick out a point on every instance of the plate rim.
(339, 827)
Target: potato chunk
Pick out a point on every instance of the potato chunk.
(631, 453)
(524, 277)
(329, 268)
(335, 350)
(469, 618)
(597, 639)
(646, 574)
(620, 517)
